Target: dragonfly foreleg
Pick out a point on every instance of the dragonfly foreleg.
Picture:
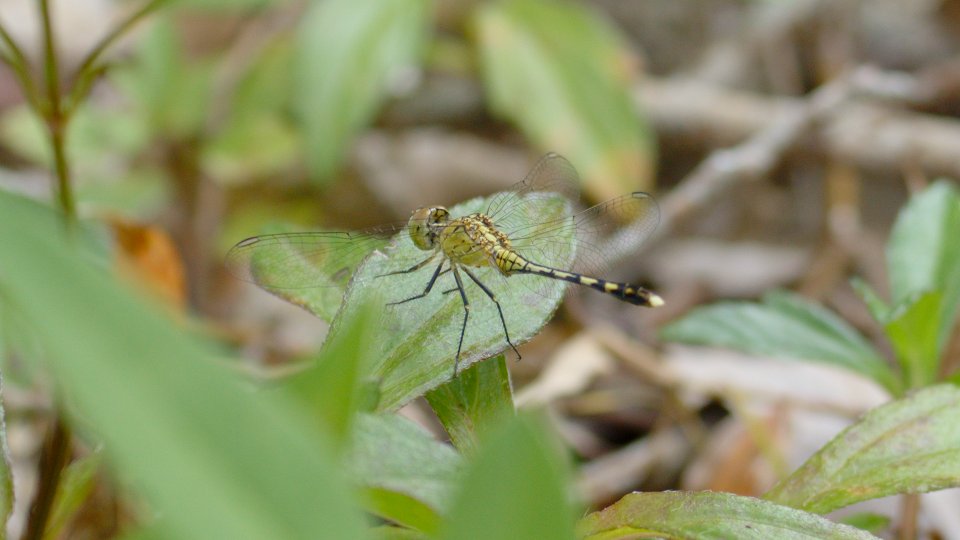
(426, 291)
(413, 268)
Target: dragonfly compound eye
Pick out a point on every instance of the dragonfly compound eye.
(423, 225)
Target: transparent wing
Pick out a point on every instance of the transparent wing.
(601, 235)
(552, 175)
(306, 259)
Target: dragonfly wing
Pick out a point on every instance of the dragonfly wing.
(552, 175)
(601, 235)
(301, 260)
(613, 230)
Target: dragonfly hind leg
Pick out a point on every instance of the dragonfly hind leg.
(466, 315)
(503, 321)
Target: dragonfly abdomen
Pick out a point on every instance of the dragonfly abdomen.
(632, 294)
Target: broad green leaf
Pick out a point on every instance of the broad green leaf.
(418, 339)
(216, 459)
(708, 515)
(76, 483)
(473, 401)
(408, 475)
(516, 487)
(912, 329)
(564, 76)
(349, 53)
(872, 523)
(911, 445)
(784, 326)
(923, 254)
(332, 388)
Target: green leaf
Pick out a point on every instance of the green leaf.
(923, 254)
(878, 308)
(708, 515)
(872, 523)
(418, 339)
(565, 76)
(349, 52)
(332, 387)
(783, 326)
(408, 475)
(77, 481)
(475, 400)
(912, 329)
(515, 488)
(911, 445)
(214, 458)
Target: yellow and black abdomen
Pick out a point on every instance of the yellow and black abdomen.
(626, 292)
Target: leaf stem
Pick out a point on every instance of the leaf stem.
(21, 68)
(55, 119)
(53, 458)
(87, 67)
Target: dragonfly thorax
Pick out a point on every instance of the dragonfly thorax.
(425, 225)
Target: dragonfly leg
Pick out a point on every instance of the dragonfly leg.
(466, 315)
(413, 268)
(503, 321)
(426, 291)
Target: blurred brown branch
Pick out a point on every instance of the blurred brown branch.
(869, 135)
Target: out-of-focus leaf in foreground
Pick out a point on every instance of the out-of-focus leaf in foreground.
(911, 445)
(216, 459)
(784, 326)
(923, 254)
(350, 52)
(708, 515)
(516, 487)
(408, 475)
(474, 401)
(6, 476)
(564, 76)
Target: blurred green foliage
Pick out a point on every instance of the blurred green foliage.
(216, 455)
(560, 73)
(924, 265)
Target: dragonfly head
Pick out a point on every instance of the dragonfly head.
(423, 225)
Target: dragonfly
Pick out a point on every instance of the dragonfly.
(519, 240)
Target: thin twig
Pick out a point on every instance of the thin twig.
(751, 160)
(21, 68)
(87, 64)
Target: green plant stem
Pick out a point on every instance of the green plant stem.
(55, 120)
(88, 68)
(21, 69)
(53, 458)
